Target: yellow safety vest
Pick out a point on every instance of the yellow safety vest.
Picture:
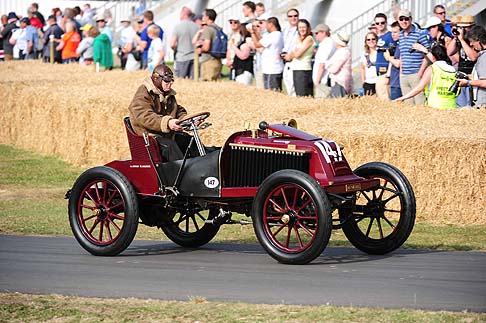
(439, 95)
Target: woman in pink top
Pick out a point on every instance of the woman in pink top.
(339, 66)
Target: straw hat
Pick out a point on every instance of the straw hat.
(466, 20)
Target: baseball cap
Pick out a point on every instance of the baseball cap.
(404, 13)
(321, 27)
(432, 21)
(263, 17)
(26, 20)
(86, 27)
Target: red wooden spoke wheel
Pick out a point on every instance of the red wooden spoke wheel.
(292, 217)
(103, 211)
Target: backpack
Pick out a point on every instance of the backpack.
(219, 44)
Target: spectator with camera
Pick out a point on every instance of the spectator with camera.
(410, 59)
(383, 43)
(393, 56)
(440, 78)
(477, 38)
(272, 45)
(368, 64)
(467, 55)
(437, 36)
(290, 35)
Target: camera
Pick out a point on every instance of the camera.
(455, 85)
(391, 49)
(413, 50)
(282, 55)
(455, 31)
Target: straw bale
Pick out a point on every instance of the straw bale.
(76, 114)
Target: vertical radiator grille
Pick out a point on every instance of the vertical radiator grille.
(250, 165)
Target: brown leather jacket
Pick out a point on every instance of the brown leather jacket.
(150, 110)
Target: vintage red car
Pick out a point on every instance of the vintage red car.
(294, 186)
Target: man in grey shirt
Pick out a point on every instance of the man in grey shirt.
(181, 43)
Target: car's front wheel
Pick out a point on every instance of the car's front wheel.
(382, 218)
(292, 217)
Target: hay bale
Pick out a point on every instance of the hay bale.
(76, 114)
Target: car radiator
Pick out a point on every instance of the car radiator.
(250, 165)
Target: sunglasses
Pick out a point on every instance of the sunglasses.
(233, 22)
(380, 22)
(404, 18)
(370, 39)
(293, 16)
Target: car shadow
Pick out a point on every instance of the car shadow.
(331, 255)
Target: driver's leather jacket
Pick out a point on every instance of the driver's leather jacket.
(151, 110)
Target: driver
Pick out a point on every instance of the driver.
(154, 110)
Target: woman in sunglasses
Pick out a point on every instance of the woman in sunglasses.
(368, 64)
(154, 110)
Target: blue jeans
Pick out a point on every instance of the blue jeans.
(463, 99)
(395, 92)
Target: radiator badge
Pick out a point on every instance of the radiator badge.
(211, 182)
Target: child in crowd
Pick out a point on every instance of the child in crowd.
(156, 51)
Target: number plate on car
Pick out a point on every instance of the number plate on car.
(353, 187)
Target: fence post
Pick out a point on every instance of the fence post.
(51, 49)
(196, 66)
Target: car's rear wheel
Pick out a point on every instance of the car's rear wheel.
(383, 217)
(103, 211)
(292, 217)
(188, 228)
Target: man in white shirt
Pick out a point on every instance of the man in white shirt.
(289, 38)
(272, 44)
(125, 42)
(320, 74)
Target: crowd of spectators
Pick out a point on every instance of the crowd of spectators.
(400, 59)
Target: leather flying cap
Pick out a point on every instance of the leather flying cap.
(164, 72)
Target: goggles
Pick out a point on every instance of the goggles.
(167, 78)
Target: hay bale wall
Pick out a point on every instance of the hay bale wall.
(76, 114)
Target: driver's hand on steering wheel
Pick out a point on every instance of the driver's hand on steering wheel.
(174, 126)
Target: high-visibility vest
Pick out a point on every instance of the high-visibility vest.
(443, 76)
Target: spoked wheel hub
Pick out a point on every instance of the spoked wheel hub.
(290, 218)
(374, 209)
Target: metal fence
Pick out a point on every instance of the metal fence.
(357, 27)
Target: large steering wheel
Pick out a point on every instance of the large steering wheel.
(194, 118)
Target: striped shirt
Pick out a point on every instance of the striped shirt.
(411, 62)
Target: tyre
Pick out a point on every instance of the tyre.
(103, 211)
(188, 228)
(292, 217)
(383, 217)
